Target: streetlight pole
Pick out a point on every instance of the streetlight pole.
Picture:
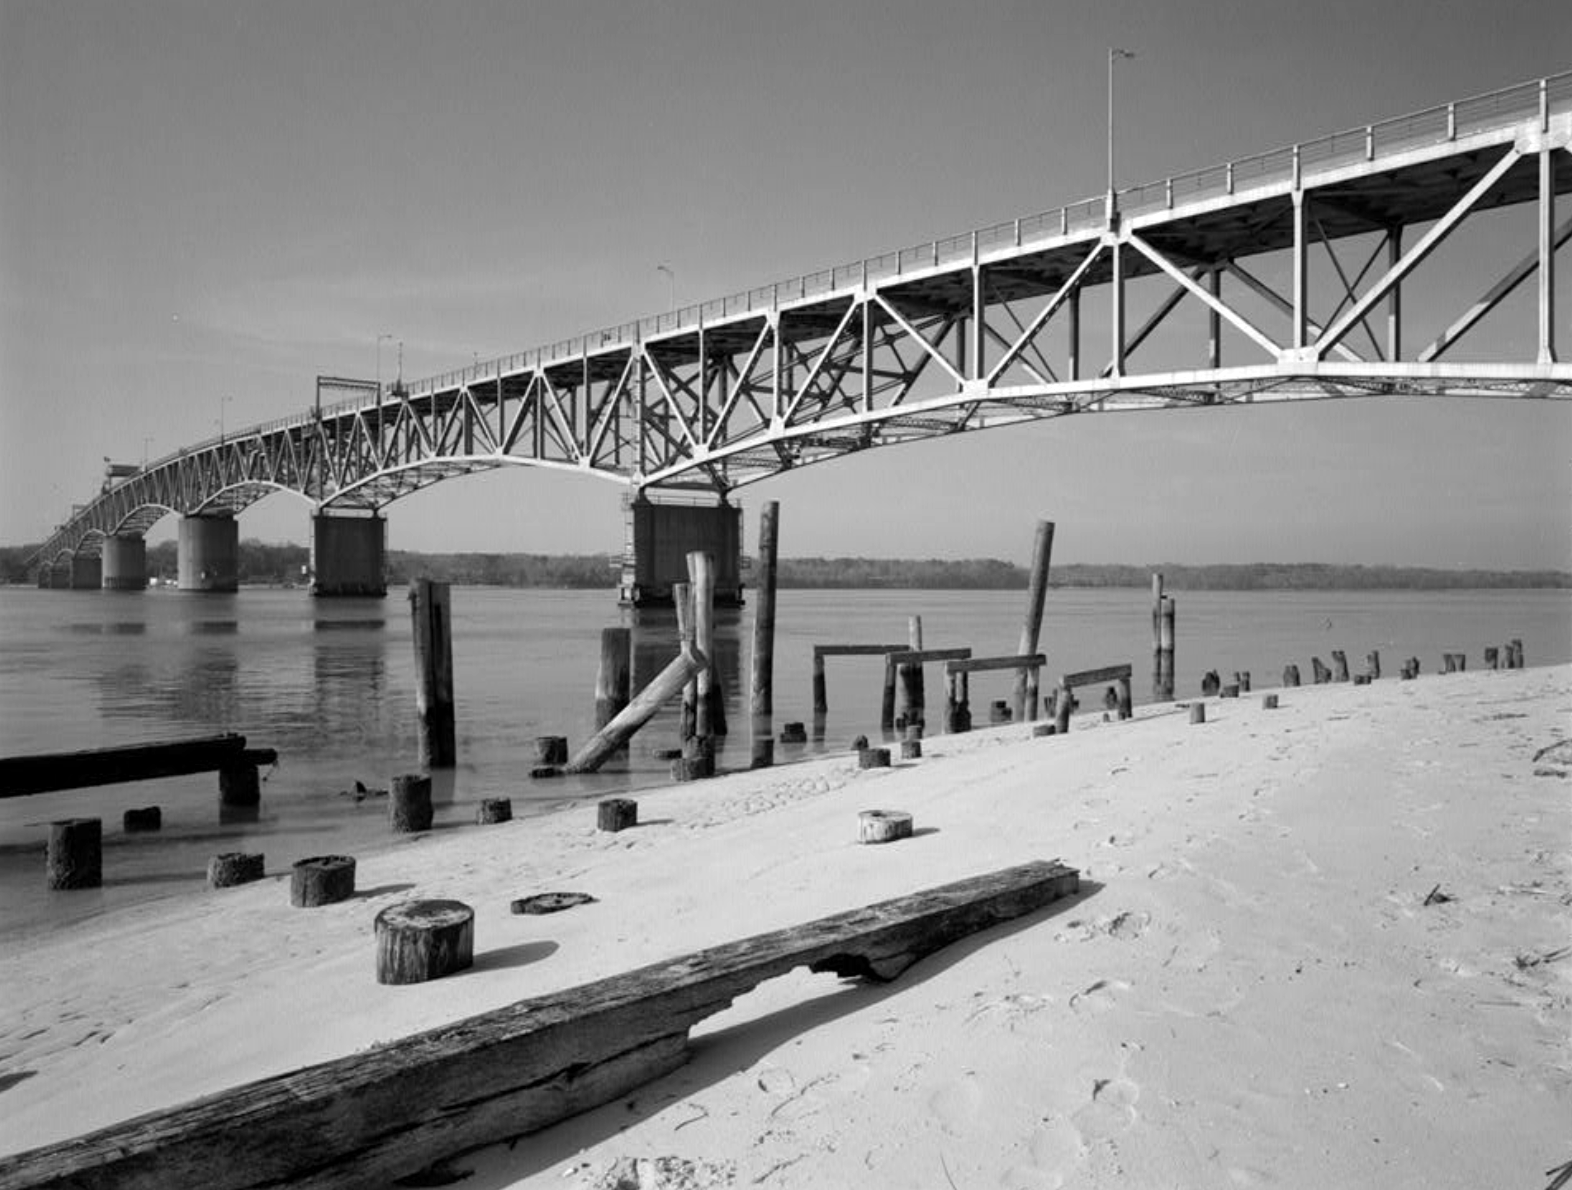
(671, 286)
(389, 338)
(222, 401)
(1114, 53)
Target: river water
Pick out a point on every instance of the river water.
(330, 685)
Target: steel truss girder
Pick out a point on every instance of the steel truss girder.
(949, 346)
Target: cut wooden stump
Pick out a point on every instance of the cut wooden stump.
(794, 733)
(618, 813)
(883, 826)
(409, 803)
(420, 941)
(239, 785)
(1269, 702)
(552, 902)
(544, 772)
(911, 749)
(75, 857)
(321, 880)
(551, 749)
(230, 868)
(873, 758)
(1044, 729)
(396, 1108)
(147, 818)
(494, 810)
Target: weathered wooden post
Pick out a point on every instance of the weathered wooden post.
(957, 703)
(75, 855)
(1290, 675)
(701, 577)
(1031, 625)
(230, 868)
(1320, 674)
(1339, 665)
(613, 677)
(1517, 653)
(409, 803)
(887, 702)
(1373, 664)
(1061, 710)
(422, 940)
(1165, 660)
(682, 601)
(821, 699)
(913, 699)
(666, 685)
(431, 612)
(614, 814)
(1197, 712)
(321, 880)
(762, 693)
(883, 826)
(1126, 701)
(493, 810)
(1493, 657)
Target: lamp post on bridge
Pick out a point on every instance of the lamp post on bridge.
(222, 401)
(380, 338)
(1114, 54)
(671, 286)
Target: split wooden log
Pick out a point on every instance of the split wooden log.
(75, 856)
(409, 803)
(321, 880)
(883, 826)
(420, 941)
(230, 868)
(393, 1109)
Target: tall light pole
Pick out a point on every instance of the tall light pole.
(389, 338)
(671, 286)
(222, 401)
(1114, 53)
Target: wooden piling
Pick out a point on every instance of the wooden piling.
(1269, 702)
(1493, 657)
(432, 619)
(821, 700)
(1125, 706)
(614, 676)
(1339, 665)
(424, 940)
(701, 577)
(1031, 625)
(682, 600)
(1322, 675)
(239, 785)
(321, 880)
(75, 855)
(1517, 653)
(1290, 675)
(1061, 710)
(666, 685)
(146, 818)
(409, 803)
(1197, 712)
(761, 702)
(883, 826)
(1373, 664)
(913, 699)
(493, 810)
(231, 868)
(614, 814)
(551, 749)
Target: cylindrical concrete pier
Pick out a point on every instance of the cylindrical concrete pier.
(125, 564)
(209, 553)
(349, 555)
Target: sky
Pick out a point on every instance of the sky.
(205, 205)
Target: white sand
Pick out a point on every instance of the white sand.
(1249, 991)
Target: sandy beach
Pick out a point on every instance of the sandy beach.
(1328, 944)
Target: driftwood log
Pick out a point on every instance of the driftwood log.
(322, 880)
(393, 1109)
(420, 941)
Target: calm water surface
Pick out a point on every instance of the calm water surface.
(330, 685)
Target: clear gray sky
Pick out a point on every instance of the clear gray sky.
(203, 200)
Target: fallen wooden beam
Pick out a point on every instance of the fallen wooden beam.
(24, 775)
(855, 650)
(981, 664)
(397, 1108)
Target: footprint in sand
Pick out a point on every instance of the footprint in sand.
(955, 1105)
(1099, 998)
(1111, 1111)
(1056, 1148)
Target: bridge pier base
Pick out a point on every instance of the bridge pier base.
(87, 572)
(125, 564)
(209, 553)
(660, 537)
(349, 555)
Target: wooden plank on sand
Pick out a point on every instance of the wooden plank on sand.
(1095, 677)
(23, 775)
(399, 1107)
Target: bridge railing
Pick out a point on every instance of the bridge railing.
(1433, 125)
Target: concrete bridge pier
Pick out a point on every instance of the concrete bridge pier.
(349, 555)
(124, 564)
(209, 553)
(87, 572)
(659, 539)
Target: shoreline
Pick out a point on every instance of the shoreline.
(1253, 884)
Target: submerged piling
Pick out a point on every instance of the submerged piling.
(614, 677)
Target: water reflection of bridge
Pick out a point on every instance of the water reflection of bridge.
(1276, 277)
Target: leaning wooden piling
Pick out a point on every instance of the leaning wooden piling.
(613, 677)
(431, 615)
(761, 700)
(1031, 626)
(682, 601)
(666, 685)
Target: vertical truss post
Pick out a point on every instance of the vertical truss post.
(776, 348)
(1301, 295)
(1116, 295)
(1214, 322)
(867, 354)
(1547, 247)
(1394, 305)
(1073, 327)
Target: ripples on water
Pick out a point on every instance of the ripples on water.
(330, 685)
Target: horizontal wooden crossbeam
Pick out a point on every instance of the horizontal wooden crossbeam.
(44, 773)
(397, 1108)
(981, 664)
(1093, 677)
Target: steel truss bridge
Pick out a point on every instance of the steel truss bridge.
(959, 334)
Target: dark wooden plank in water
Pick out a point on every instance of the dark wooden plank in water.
(45, 773)
(399, 1107)
(981, 664)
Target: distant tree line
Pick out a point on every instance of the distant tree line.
(284, 563)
